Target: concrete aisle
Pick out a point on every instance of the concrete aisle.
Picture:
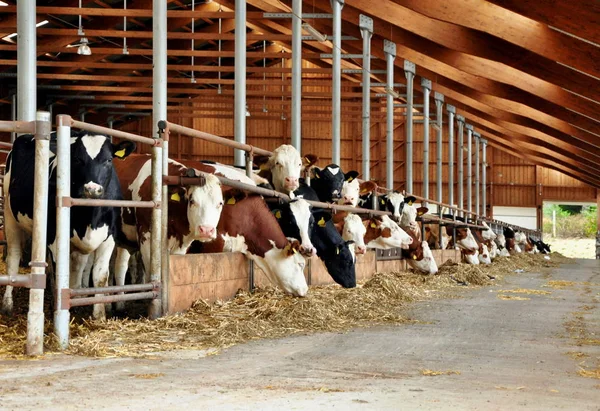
(511, 355)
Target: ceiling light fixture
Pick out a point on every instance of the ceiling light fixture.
(320, 37)
(10, 36)
(2, 3)
(84, 48)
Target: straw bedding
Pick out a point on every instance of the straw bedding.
(268, 313)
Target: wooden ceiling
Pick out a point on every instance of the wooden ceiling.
(525, 73)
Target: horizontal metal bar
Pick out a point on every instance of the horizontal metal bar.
(99, 202)
(104, 299)
(358, 71)
(304, 15)
(165, 125)
(114, 289)
(5, 144)
(345, 56)
(17, 126)
(116, 133)
(36, 281)
(385, 84)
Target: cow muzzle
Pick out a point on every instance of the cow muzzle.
(93, 190)
(291, 183)
(206, 233)
(360, 249)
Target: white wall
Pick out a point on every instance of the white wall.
(522, 216)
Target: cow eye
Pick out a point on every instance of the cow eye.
(301, 265)
(192, 202)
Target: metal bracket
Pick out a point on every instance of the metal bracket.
(426, 83)
(304, 15)
(460, 119)
(484, 141)
(38, 281)
(476, 134)
(65, 299)
(410, 67)
(389, 47)
(469, 126)
(365, 23)
(438, 96)
(43, 128)
(64, 202)
(451, 109)
(39, 264)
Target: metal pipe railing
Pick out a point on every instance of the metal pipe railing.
(16, 127)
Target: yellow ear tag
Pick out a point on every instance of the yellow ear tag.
(337, 250)
(373, 225)
(295, 251)
(317, 176)
(350, 179)
(420, 213)
(321, 222)
(120, 153)
(175, 197)
(278, 214)
(410, 203)
(231, 201)
(382, 201)
(414, 257)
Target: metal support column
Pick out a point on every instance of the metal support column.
(426, 86)
(477, 187)
(297, 74)
(461, 161)
(35, 316)
(469, 128)
(13, 116)
(390, 55)
(366, 29)
(159, 112)
(26, 56)
(409, 72)
(439, 104)
(451, 111)
(240, 80)
(336, 103)
(484, 177)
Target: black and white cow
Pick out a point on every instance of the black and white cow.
(329, 181)
(93, 229)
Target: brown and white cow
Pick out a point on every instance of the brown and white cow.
(465, 241)
(264, 242)
(194, 211)
(419, 255)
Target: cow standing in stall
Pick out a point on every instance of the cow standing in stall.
(94, 230)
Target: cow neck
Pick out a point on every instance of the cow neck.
(252, 219)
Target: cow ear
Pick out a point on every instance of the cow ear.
(421, 211)
(292, 248)
(177, 194)
(309, 160)
(317, 172)
(233, 195)
(123, 149)
(410, 200)
(261, 162)
(350, 175)
(367, 187)
(277, 214)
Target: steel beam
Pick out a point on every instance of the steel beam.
(336, 72)
(439, 104)
(296, 74)
(469, 128)
(13, 116)
(426, 87)
(240, 80)
(26, 56)
(366, 29)
(409, 72)
(451, 112)
(477, 181)
(484, 177)
(461, 160)
(390, 55)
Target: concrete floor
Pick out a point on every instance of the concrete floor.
(511, 355)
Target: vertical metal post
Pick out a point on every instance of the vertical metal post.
(26, 56)
(297, 74)
(366, 29)
(240, 80)
(484, 178)
(159, 112)
(477, 181)
(451, 111)
(336, 103)
(63, 222)
(439, 103)
(164, 213)
(409, 72)
(390, 55)
(461, 160)
(469, 128)
(426, 86)
(35, 316)
(13, 116)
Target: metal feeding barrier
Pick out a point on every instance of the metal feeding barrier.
(67, 297)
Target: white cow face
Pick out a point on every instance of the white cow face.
(487, 234)
(396, 200)
(205, 204)
(520, 238)
(501, 240)
(427, 265)
(392, 236)
(518, 249)
(354, 230)
(469, 242)
(235, 244)
(350, 193)
(484, 257)
(304, 220)
(289, 265)
(493, 251)
(503, 253)
(472, 259)
(285, 165)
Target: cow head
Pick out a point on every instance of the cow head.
(470, 257)
(286, 267)
(92, 169)
(422, 259)
(204, 206)
(352, 191)
(333, 250)
(488, 233)
(384, 233)
(354, 230)
(286, 165)
(484, 255)
(493, 249)
(329, 181)
(296, 221)
(465, 239)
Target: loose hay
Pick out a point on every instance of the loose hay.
(589, 373)
(512, 297)
(268, 313)
(559, 284)
(431, 373)
(525, 291)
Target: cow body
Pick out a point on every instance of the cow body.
(92, 229)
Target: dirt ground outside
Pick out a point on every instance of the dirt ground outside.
(573, 247)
